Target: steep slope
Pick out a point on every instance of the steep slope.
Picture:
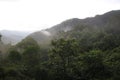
(44, 37)
(107, 22)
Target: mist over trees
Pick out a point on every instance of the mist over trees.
(89, 50)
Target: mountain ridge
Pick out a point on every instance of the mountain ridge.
(104, 21)
(107, 20)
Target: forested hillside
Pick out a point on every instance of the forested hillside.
(77, 49)
(106, 22)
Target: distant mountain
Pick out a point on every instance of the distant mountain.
(13, 37)
(108, 22)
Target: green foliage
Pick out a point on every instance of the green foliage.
(89, 51)
(26, 43)
(62, 58)
(14, 57)
(2, 73)
(92, 66)
(65, 61)
(31, 56)
(113, 62)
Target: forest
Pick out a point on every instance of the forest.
(86, 52)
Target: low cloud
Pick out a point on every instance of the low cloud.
(46, 33)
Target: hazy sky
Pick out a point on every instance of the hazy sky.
(41, 14)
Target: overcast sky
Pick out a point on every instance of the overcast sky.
(41, 14)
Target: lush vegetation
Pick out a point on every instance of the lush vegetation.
(84, 53)
(95, 57)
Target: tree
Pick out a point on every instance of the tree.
(2, 73)
(14, 56)
(62, 58)
(26, 43)
(30, 57)
(91, 65)
(112, 60)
